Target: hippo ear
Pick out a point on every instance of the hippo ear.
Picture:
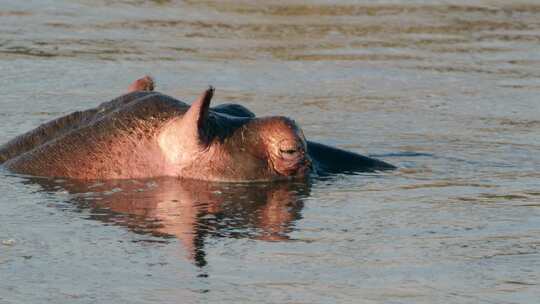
(196, 118)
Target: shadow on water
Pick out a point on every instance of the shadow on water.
(190, 211)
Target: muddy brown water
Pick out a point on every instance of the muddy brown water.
(449, 91)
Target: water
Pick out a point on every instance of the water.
(446, 90)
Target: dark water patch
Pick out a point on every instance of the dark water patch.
(522, 62)
(444, 184)
(520, 86)
(348, 57)
(477, 69)
(403, 154)
(26, 51)
(433, 42)
(453, 49)
(520, 283)
(527, 124)
(140, 2)
(160, 2)
(510, 126)
(44, 113)
(73, 48)
(183, 49)
(214, 29)
(504, 254)
(520, 199)
(296, 10)
(509, 197)
(507, 37)
(57, 24)
(14, 13)
(443, 43)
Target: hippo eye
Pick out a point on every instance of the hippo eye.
(289, 154)
(288, 151)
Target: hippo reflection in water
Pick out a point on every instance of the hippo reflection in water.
(188, 210)
(144, 134)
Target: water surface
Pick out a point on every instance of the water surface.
(446, 90)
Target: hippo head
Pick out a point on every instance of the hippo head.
(203, 144)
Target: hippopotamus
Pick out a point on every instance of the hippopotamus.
(145, 134)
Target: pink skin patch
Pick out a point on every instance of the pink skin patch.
(142, 84)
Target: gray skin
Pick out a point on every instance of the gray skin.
(145, 134)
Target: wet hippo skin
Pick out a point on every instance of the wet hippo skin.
(147, 134)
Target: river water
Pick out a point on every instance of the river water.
(448, 91)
